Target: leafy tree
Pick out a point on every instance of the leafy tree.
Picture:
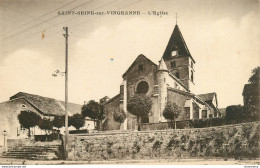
(45, 124)
(59, 121)
(93, 110)
(77, 121)
(171, 111)
(255, 77)
(28, 119)
(140, 106)
(119, 116)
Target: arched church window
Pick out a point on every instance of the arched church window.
(191, 76)
(177, 75)
(191, 64)
(142, 87)
(140, 67)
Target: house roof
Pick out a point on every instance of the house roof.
(177, 42)
(207, 97)
(48, 106)
(251, 88)
(112, 99)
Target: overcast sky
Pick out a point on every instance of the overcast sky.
(222, 35)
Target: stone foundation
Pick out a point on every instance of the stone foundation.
(239, 141)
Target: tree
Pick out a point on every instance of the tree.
(93, 110)
(140, 106)
(59, 121)
(119, 116)
(45, 124)
(77, 121)
(171, 112)
(255, 77)
(28, 119)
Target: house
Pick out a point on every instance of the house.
(172, 80)
(44, 106)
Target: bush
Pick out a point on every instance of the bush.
(83, 131)
(77, 121)
(119, 116)
(45, 124)
(171, 111)
(237, 114)
(28, 119)
(93, 110)
(140, 106)
(59, 121)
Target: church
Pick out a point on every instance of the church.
(172, 80)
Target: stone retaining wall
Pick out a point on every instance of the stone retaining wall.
(239, 141)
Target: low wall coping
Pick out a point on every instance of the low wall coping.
(160, 131)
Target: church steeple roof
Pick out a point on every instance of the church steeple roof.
(176, 43)
(162, 65)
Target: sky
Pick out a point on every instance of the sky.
(222, 35)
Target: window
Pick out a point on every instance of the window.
(191, 64)
(174, 53)
(142, 87)
(173, 64)
(204, 114)
(191, 75)
(140, 68)
(177, 75)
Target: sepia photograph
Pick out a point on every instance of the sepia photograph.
(130, 82)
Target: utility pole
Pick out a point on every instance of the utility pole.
(66, 91)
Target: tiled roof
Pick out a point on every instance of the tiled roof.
(207, 97)
(48, 106)
(112, 99)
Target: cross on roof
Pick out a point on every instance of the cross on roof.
(176, 17)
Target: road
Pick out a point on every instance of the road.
(4, 161)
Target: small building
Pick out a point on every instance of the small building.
(172, 80)
(44, 106)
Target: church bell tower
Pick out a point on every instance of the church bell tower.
(178, 59)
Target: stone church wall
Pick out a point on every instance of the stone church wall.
(242, 141)
(134, 76)
(179, 99)
(182, 66)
